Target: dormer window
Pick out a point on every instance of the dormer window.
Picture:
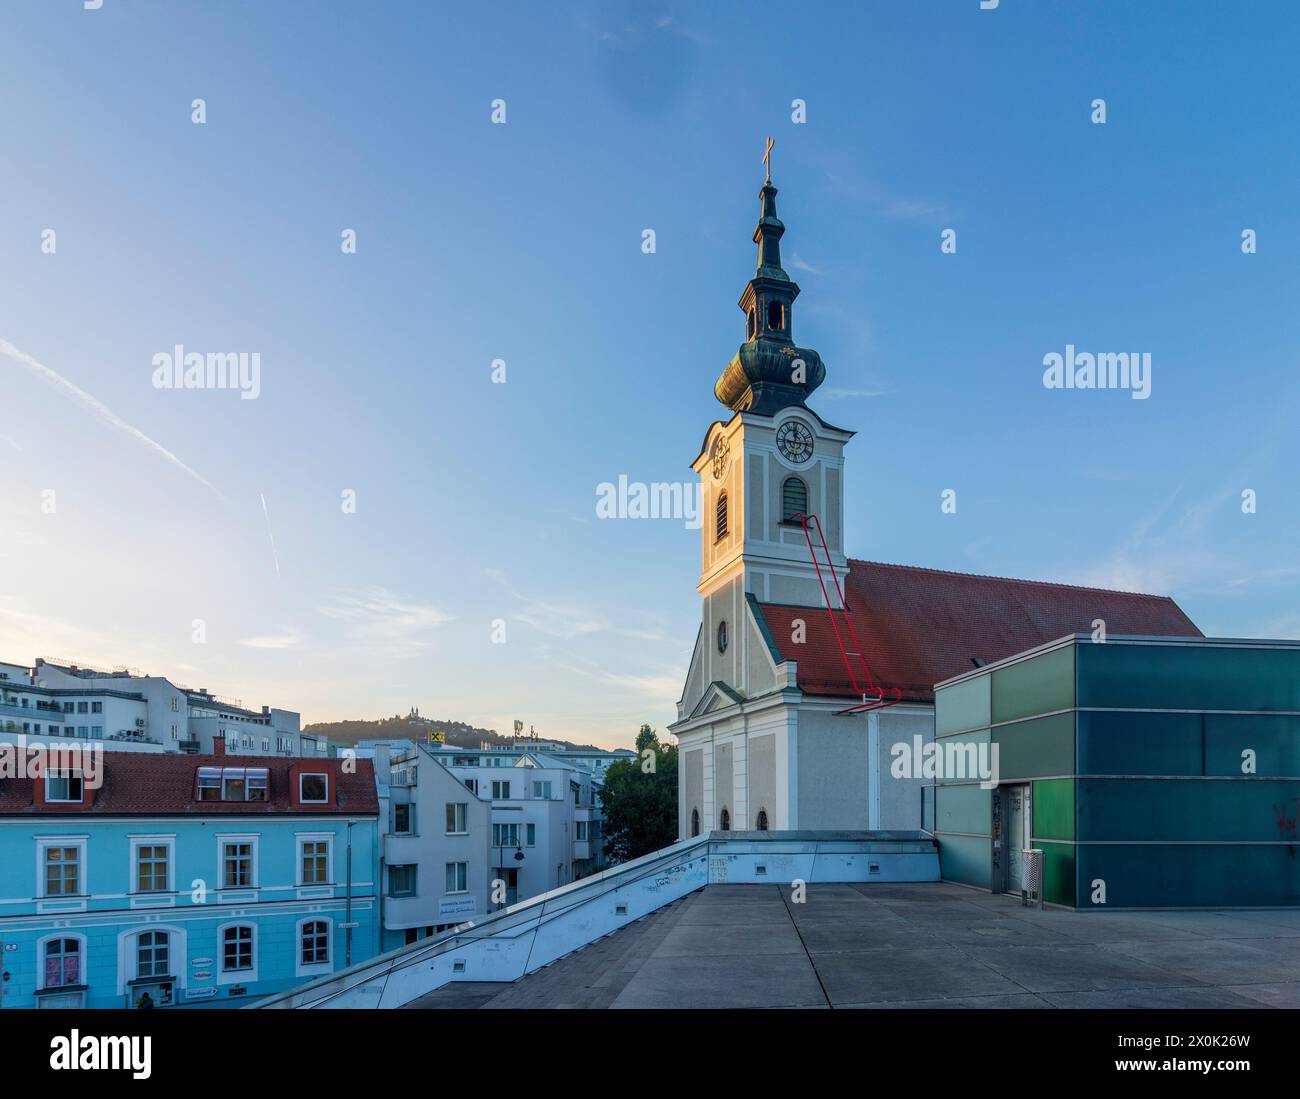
(313, 788)
(63, 784)
(233, 784)
(209, 784)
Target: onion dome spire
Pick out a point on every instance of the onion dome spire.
(768, 372)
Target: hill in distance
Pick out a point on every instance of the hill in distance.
(414, 727)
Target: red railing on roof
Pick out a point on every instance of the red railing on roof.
(874, 697)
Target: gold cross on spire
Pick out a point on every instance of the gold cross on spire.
(767, 158)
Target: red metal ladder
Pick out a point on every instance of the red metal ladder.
(874, 697)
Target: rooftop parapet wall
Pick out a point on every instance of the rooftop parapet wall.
(528, 936)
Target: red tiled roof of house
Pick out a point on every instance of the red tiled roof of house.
(136, 784)
(919, 626)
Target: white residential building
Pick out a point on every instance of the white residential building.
(545, 816)
(144, 713)
(434, 862)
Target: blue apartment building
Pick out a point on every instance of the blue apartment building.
(197, 880)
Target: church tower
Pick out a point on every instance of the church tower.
(773, 460)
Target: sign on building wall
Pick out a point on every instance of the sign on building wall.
(458, 906)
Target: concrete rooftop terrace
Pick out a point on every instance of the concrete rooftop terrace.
(923, 945)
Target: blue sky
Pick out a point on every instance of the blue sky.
(522, 242)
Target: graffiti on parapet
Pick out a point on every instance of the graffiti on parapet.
(1286, 826)
(672, 875)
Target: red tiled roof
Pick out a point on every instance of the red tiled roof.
(919, 627)
(164, 785)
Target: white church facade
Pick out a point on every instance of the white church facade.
(786, 646)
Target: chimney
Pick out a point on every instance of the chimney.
(218, 745)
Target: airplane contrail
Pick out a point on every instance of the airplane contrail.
(100, 411)
(275, 556)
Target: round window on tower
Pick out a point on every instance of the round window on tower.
(722, 636)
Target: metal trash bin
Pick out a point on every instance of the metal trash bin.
(1031, 890)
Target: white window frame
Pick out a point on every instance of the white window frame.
(314, 801)
(136, 842)
(301, 838)
(251, 838)
(128, 954)
(300, 969)
(235, 976)
(134, 947)
(414, 891)
(83, 869)
(501, 828)
(460, 816)
(66, 933)
(462, 872)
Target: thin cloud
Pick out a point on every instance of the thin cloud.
(288, 639)
(841, 393)
(552, 619)
(100, 411)
(385, 621)
(802, 265)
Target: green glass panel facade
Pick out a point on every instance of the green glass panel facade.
(1058, 873)
(1274, 739)
(963, 744)
(1040, 685)
(1041, 746)
(1140, 744)
(962, 706)
(1219, 810)
(965, 859)
(1190, 875)
(1151, 783)
(962, 809)
(1187, 677)
(1054, 809)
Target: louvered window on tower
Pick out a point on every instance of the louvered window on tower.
(722, 516)
(794, 500)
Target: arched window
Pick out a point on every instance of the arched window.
(722, 636)
(749, 325)
(62, 963)
(794, 499)
(722, 516)
(762, 820)
(775, 316)
(237, 948)
(153, 954)
(315, 943)
(725, 820)
(695, 822)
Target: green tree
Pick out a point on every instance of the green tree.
(639, 800)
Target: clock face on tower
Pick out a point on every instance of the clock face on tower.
(795, 441)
